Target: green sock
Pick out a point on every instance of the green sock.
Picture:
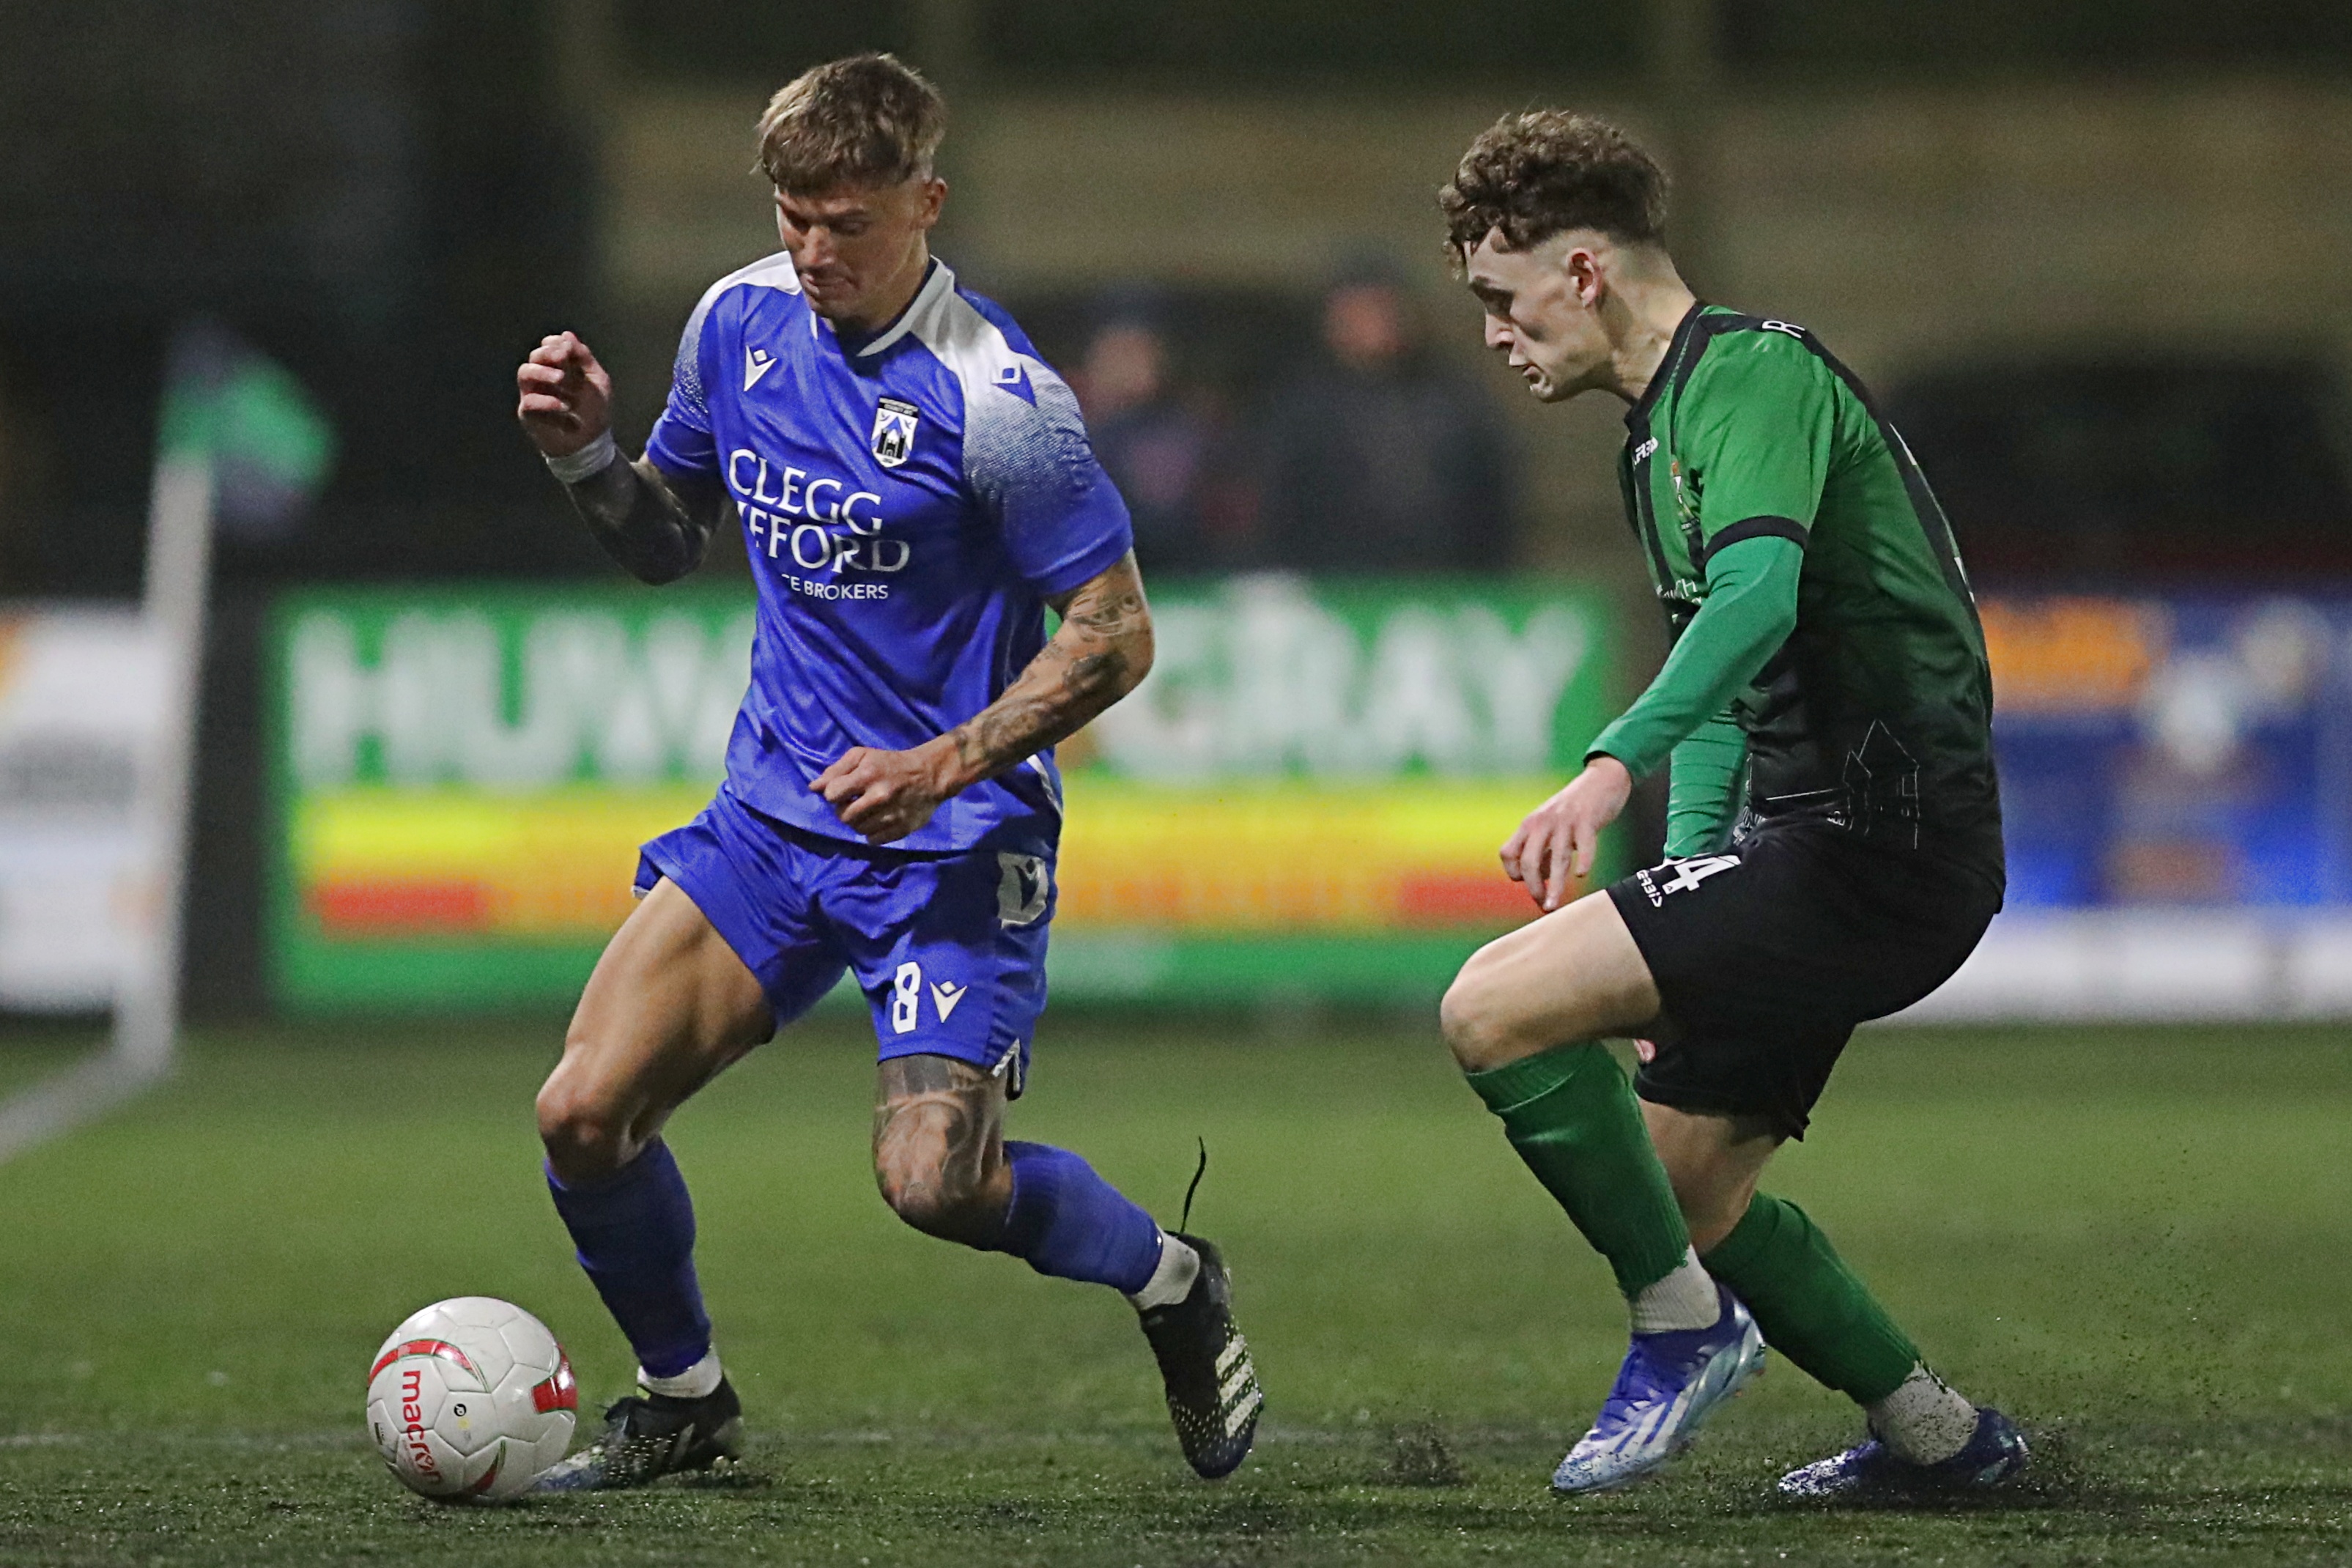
(1811, 1307)
(1571, 1115)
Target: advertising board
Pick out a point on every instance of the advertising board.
(81, 704)
(1304, 798)
(2187, 752)
(2176, 798)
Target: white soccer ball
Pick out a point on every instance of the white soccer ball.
(471, 1397)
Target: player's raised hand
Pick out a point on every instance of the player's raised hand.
(566, 399)
(885, 795)
(1557, 843)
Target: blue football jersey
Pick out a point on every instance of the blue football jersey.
(909, 503)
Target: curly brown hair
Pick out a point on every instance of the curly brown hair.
(1547, 171)
(868, 120)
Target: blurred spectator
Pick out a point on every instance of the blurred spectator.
(1159, 446)
(1376, 458)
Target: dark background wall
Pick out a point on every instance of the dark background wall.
(392, 196)
(380, 194)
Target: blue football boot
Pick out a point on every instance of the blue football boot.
(1995, 1452)
(1668, 1386)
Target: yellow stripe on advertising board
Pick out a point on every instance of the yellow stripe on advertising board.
(1291, 855)
(556, 863)
(1237, 856)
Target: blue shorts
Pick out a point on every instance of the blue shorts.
(950, 948)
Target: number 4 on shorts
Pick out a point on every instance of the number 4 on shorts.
(1689, 874)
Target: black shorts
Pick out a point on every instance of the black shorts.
(1766, 957)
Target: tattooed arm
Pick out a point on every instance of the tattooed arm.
(657, 525)
(1102, 651)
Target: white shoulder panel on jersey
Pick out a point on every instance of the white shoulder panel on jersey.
(1026, 458)
(768, 272)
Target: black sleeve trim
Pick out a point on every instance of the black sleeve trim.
(1787, 528)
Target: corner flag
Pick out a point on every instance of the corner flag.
(270, 447)
(91, 882)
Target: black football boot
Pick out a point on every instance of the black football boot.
(648, 1435)
(1212, 1390)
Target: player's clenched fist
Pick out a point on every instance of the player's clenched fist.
(886, 796)
(566, 399)
(1559, 838)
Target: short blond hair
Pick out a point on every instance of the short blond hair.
(869, 119)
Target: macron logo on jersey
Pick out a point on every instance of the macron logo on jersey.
(757, 363)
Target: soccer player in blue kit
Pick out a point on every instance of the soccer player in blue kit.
(914, 487)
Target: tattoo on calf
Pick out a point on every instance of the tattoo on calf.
(938, 1131)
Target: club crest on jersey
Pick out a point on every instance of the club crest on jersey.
(1686, 494)
(894, 431)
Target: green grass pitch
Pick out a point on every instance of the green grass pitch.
(2137, 1241)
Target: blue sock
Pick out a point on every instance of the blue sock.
(1068, 1222)
(634, 1232)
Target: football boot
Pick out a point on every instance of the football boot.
(1996, 1450)
(649, 1435)
(1213, 1390)
(1669, 1384)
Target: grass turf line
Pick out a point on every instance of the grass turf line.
(2129, 1238)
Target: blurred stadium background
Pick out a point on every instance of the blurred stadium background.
(2093, 255)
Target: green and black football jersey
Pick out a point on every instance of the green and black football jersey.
(1877, 712)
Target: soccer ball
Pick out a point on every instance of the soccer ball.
(471, 1397)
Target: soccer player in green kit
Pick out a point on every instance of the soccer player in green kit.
(1833, 837)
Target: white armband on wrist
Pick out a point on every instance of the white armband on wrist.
(586, 463)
